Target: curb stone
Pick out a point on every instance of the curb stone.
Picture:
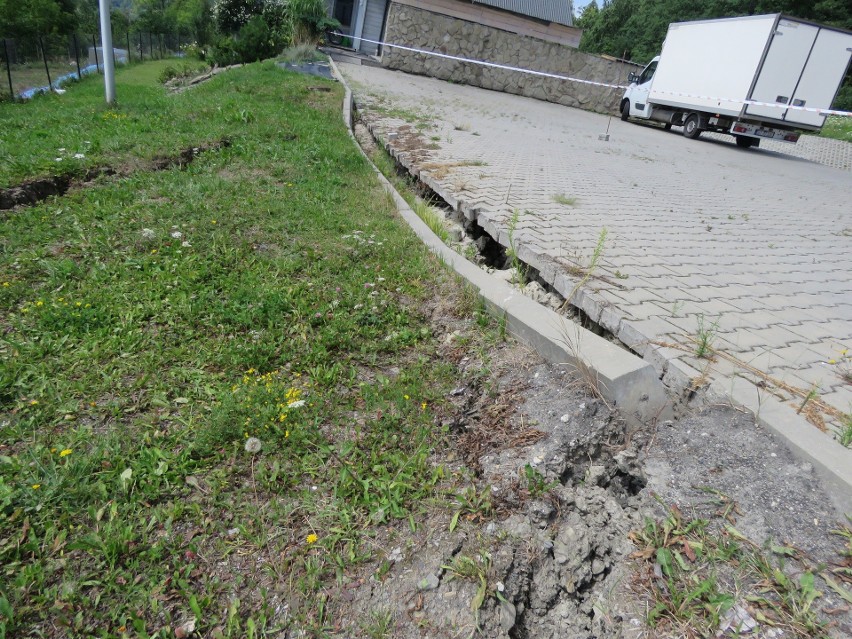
(622, 387)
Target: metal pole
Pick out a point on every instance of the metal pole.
(106, 40)
(8, 68)
(95, 49)
(44, 57)
(77, 57)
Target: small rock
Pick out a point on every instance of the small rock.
(429, 582)
(508, 614)
(395, 555)
(233, 532)
(565, 418)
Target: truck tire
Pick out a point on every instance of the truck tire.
(691, 129)
(745, 142)
(625, 110)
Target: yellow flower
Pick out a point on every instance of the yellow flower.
(65, 453)
(312, 538)
(36, 486)
(832, 361)
(33, 402)
(39, 303)
(212, 221)
(406, 397)
(286, 434)
(6, 284)
(423, 405)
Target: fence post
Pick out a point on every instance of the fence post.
(95, 49)
(129, 52)
(77, 57)
(44, 57)
(8, 68)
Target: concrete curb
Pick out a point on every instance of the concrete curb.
(638, 387)
(624, 380)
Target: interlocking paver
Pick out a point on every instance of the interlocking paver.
(758, 240)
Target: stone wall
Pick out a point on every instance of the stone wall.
(417, 28)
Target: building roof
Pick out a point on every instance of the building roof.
(559, 11)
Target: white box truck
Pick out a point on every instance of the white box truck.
(767, 76)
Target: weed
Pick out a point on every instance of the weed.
(812, 394)
(845, 432)
(379, 625)
(561, 198)
(472, 504)
(704, 337)
(537, 485)
(704, 570)
(519, 269)
(434, 220)
(474, 569)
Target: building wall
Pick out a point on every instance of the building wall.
(418, 28)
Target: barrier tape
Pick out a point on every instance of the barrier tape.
(556, 76)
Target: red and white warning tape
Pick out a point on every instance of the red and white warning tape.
(556, 76)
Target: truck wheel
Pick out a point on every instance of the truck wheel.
(625, 110)
(745, 142)
(690, 127)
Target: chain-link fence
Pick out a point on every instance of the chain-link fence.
(40, 63)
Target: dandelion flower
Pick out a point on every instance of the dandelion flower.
(33, 402)
(5, 284)
(312, 538)
(832, 361)
(406, 397)
(423, 405)
(253, 445)
(65, 452)
(36, 486)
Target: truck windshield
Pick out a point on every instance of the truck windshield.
(648, 73)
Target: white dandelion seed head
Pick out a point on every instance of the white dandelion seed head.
(177, 235)
(253, 445)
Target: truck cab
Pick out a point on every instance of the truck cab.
(635, 100)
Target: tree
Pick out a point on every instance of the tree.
(27, 18)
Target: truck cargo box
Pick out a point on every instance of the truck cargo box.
(717, 65)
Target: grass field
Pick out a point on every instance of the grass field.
(212, 379)
(837, 127)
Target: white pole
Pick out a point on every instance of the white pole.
(106, 44)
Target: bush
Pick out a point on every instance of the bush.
(224, 52)
(256, 41)
(843, 101)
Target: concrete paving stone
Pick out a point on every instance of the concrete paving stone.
(840, 398)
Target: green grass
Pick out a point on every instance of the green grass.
(837, 127)
(42, 137)
(705, 567)
(151, 324)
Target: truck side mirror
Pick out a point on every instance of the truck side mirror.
(632, 77)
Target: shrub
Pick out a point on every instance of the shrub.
(256, 41)
(224, 52)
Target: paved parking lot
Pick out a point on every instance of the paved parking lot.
(755, 243)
